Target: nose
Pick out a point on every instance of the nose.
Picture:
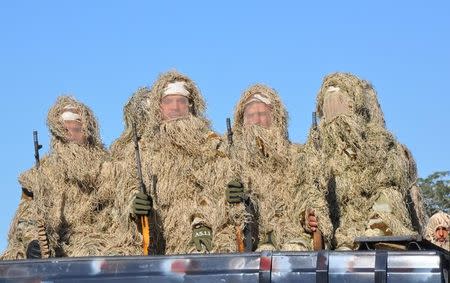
(174, 106)
(257, 119)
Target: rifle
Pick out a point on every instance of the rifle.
(37, 147)
(314, 120)
(317, 235)
(247, 245)
(145, 223)
(42, 234)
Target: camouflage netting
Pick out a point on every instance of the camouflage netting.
(23, 227)
(136, 110)
(180, 154)
(66, 198)
(366, 173)
(439, 219)
(271, 170)
(416, 206)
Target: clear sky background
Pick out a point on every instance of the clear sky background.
(102, 51)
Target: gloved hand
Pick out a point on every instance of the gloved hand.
(235, 192)
(34, 250)
(202, 237)
(141, 204)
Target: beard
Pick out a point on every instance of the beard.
(79, 164)
(188, 134)
(258, 145)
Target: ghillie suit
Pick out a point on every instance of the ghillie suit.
(134, 111)
(177, 154)
(439, 219)
(367, 174)
(271, 170)
(120, 172)
(66, 199)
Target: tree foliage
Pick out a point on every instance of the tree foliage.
(435, 191)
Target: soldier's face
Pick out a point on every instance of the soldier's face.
(258, 113)
(174, 106)
(441, 234)
(75, 132)
(335, 103)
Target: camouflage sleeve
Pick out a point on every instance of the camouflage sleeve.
(22, 231)
(312, 191)
(309, 197)
(116, 221)
(391, 201)
(212, 178)
(419, 215)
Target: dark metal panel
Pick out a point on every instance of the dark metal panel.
(354, 267)
(381, 266)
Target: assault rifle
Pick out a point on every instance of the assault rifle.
(42, 234)
(246, 244)
(317, 235)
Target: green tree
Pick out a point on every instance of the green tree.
(435, 191)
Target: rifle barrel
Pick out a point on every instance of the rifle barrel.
(138, 160)
(314, 119)
(37, 147)
(229, 132)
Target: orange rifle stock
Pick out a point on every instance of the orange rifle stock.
(317, 240)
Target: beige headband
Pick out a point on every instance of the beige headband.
(333, 89)
(176, 88)
(259, 97)
(70, 115)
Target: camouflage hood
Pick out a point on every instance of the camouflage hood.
(56, 124)
(279, 113)
(439, 219)
(135, 110)
(197, 104)
(362, 97)
(70, 161)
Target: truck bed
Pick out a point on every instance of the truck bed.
(321, 266)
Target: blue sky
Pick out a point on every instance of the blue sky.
(102, 51)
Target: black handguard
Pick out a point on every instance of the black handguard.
(34, 250)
